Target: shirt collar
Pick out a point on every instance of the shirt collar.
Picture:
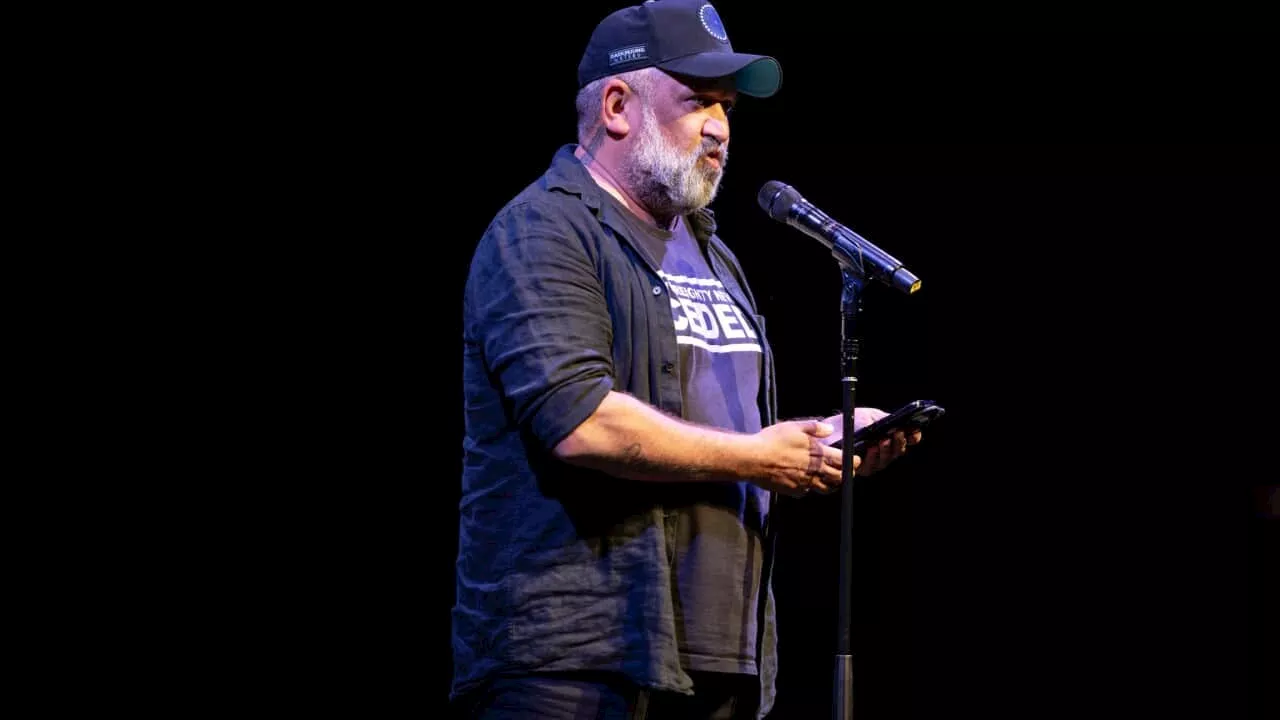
(568, 174)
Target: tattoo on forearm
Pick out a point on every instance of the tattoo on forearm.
(633, 455)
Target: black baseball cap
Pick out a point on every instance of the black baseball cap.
(683, 36)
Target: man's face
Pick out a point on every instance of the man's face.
(681, 145)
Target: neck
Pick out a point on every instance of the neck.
(606, 179)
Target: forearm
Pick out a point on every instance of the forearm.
(631, 439)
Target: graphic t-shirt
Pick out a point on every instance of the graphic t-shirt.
(718, 549)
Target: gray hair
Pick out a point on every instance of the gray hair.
(640, 81)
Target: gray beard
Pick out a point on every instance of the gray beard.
(665, 180)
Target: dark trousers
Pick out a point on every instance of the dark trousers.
(604, 696)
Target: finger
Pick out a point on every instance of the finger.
(899, 443)
(871, 457)
(915, 437)
(817, 456)
(833, 457)
(897, 446)
(860, 463)
(811, 481)
(886, 453)
(831, 477)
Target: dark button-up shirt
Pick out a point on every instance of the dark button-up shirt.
(562, 568)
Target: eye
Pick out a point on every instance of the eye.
(707, 101)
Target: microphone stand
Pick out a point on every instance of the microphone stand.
(856, 256)
(850, 304)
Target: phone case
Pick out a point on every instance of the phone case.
(914, 415)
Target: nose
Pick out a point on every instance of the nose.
(717, 126)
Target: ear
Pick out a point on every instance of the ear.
(616, 99)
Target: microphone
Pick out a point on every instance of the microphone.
(785, 205)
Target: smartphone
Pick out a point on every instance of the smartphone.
(908, 418)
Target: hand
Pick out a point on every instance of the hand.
(880, 455)
(794, 459)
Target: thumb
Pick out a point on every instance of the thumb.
(817, 428)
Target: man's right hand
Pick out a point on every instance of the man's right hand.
(794, 460)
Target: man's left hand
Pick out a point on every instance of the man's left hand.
(875, 457)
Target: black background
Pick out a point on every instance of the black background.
(1090, 216)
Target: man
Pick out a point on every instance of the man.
(622, 452)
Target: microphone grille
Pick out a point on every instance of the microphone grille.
(776, 199)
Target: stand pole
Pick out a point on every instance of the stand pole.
(850, 304)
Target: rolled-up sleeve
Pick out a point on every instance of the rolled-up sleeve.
(535, 307)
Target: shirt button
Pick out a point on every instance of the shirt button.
(668, 368)
(657, 289)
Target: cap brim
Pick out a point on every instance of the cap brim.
(756, 75)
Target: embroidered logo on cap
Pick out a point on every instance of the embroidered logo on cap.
(711, 23)
(628, 54)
